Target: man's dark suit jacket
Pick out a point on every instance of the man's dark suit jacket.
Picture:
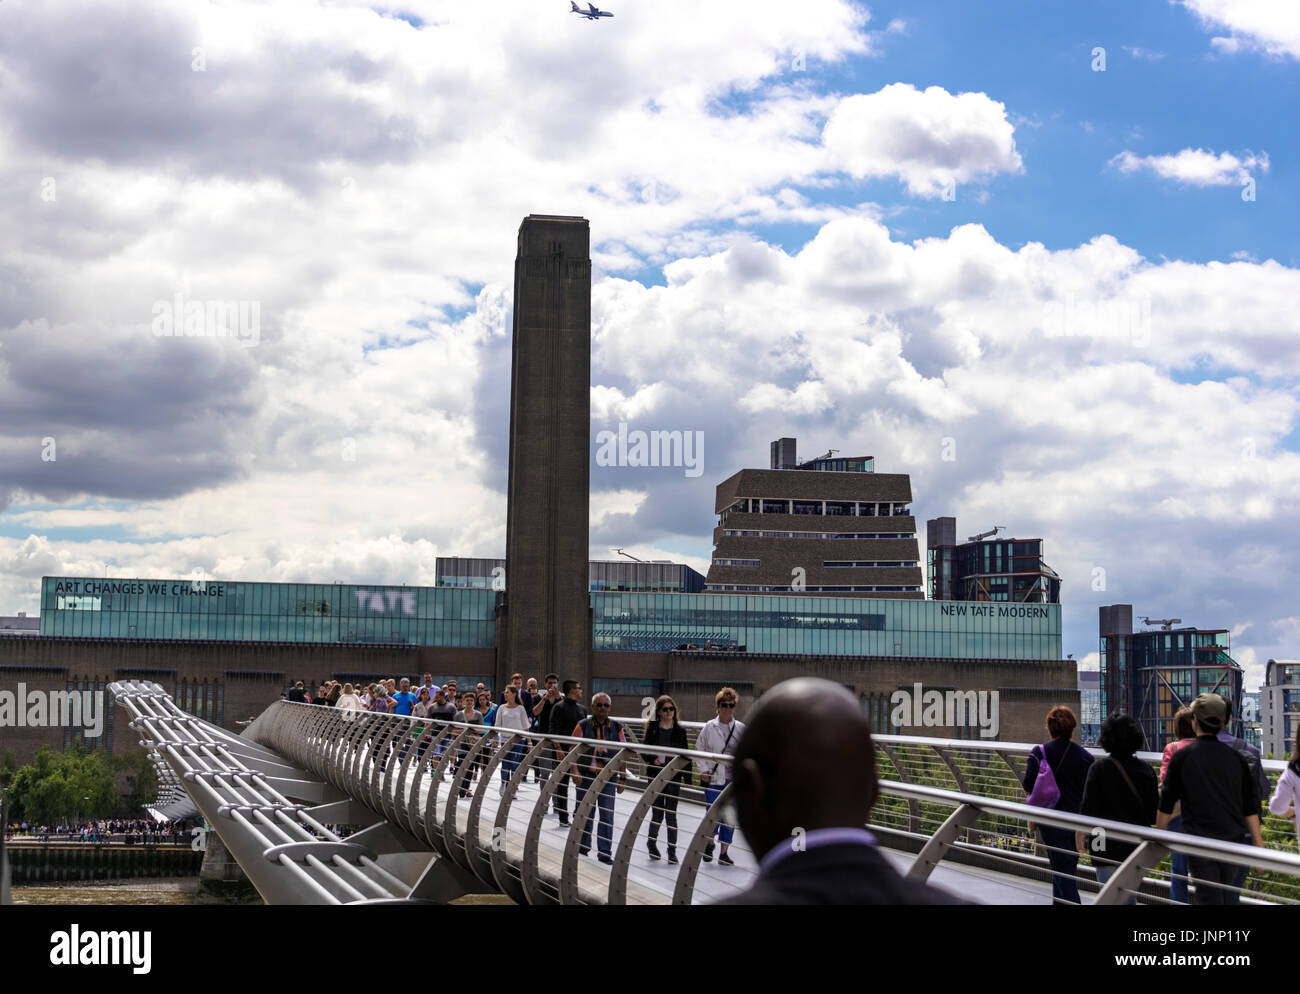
(838, 874)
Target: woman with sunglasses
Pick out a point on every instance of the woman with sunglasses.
(721, 736)
(663, 730)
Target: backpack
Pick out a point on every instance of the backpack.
(1256, 768)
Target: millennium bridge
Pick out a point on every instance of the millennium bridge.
(321, 805)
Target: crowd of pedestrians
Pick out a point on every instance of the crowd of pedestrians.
(129, 831)
(559, 710)
(1211, 785)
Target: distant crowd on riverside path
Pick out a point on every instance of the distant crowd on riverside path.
(125, 830)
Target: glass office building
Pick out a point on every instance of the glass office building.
(1152, 674)
(464, 617)
(827, 626)
(1279, 707)
(267, 612)
(987, 569)
(1089, 707)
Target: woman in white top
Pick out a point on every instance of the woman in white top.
(512, 714)
(348, 699)
(1286, 798)
(721, 735)
(421, 707)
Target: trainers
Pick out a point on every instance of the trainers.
(708, 853)
(584, 850)
(606, 858)
(726, 860)
(502, 789)
(564, 822)
(672, 855)
(654, 849)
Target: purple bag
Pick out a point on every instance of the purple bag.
(1046, 793)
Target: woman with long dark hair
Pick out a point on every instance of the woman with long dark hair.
(1119, 787)
(512, 714)
(420, 709)
(1286, 798)
(664, 730)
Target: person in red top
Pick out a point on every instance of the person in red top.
(1178, 861)
(599, 726)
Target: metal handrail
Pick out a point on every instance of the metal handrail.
(296, 729)
(991, 746)
(1152, 844)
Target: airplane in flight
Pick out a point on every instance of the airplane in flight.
(591, 13)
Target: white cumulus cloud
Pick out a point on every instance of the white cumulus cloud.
(928, 138)
(1195, 166)
(1271, 26)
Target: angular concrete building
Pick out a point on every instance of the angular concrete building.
(835, 526)
(545, 616)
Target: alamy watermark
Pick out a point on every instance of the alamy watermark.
(76, 947)
(652, 448)
(1120, 318)
(181, 318)
(53, 709)
(921, 708)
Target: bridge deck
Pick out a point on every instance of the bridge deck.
(651, 882)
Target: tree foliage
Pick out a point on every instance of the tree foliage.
(76, 785)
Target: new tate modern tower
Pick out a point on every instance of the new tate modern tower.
(545, 624)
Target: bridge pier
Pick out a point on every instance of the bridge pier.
(221, 881)
(444, 881)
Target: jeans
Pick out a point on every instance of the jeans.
(561, 795)
(1104, 873)
(665, 810)
(1212, 878)
(605, 803)
(1178, 864)
(511, 762)
(1238, 881)
(724, 832)
(1065, 864)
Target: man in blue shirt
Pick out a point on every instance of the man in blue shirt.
(404, 700)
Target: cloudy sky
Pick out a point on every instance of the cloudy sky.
(1041, 258)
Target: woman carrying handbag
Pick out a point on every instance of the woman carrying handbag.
(1054, 778)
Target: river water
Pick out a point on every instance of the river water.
(178, 890)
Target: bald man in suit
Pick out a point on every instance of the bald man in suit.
(805, 781)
